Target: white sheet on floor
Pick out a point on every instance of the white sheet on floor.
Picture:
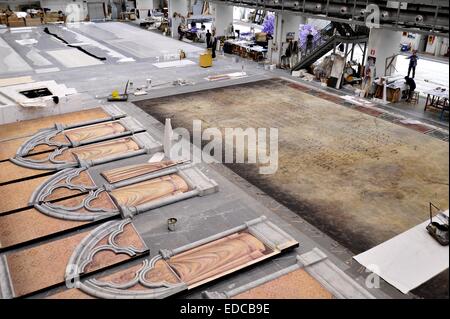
(47, 70)
(173, 64)
(407, 260)
(73, 58)
(10, 60)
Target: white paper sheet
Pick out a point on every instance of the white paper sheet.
(73, 58)
(407, 260)
(172, 64)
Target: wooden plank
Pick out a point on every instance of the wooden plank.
(128, 172)
(105, 149)
(87, 133)
(24, 226)
(44, 266)
(31, 224)
(16, 195)
(148, 191)
(10, 172)
(29, 127)
(218, 258)
(8, 149)
(294, 285)
(15, 81)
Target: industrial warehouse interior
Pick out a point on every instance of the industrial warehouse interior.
(205, 150)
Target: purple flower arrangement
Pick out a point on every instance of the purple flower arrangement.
(269, 24)
(304, 31)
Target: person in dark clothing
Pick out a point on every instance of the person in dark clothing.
(208, 39)
(214, 46)
(412, 64)
(309, 43)
(180, 32)
(412, 87)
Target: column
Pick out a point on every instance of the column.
(383, 44)
(180, 7)
(223, 16)
(276, 43)
(285, 23)
(291, 23)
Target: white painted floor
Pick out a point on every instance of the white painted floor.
(429, 74)
(137, 42)
(10, 61)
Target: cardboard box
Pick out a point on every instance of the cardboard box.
(52, 17)
(3, 19)
(14, 21)
(31, 22)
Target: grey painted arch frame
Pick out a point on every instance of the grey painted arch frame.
(146, 142)
(159, 290)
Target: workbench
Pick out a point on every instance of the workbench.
(437, 99)
(246, 49)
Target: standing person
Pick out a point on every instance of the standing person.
(180, 32)
(208, 39)
(309, 42)
(294, 56)
(369, 76)
(214, 47)
(412, 87)
(412, 64)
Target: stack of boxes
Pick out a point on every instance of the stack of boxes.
(3, 19)
(15, 21)
(30, 19)
(52, 17)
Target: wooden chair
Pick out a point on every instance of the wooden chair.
(415, 98)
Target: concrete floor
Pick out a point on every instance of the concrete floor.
(380, 164)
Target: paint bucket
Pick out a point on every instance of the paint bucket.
(171, 222)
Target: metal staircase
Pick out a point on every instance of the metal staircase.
(328, 39)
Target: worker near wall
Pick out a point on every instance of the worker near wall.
(180, 32)
(412, 64)
(412, 87)
(208, 39)
(309, 43)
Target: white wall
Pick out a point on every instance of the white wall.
(414, 42)
(144, 4)
(438, 47)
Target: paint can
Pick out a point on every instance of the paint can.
(171, 222)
